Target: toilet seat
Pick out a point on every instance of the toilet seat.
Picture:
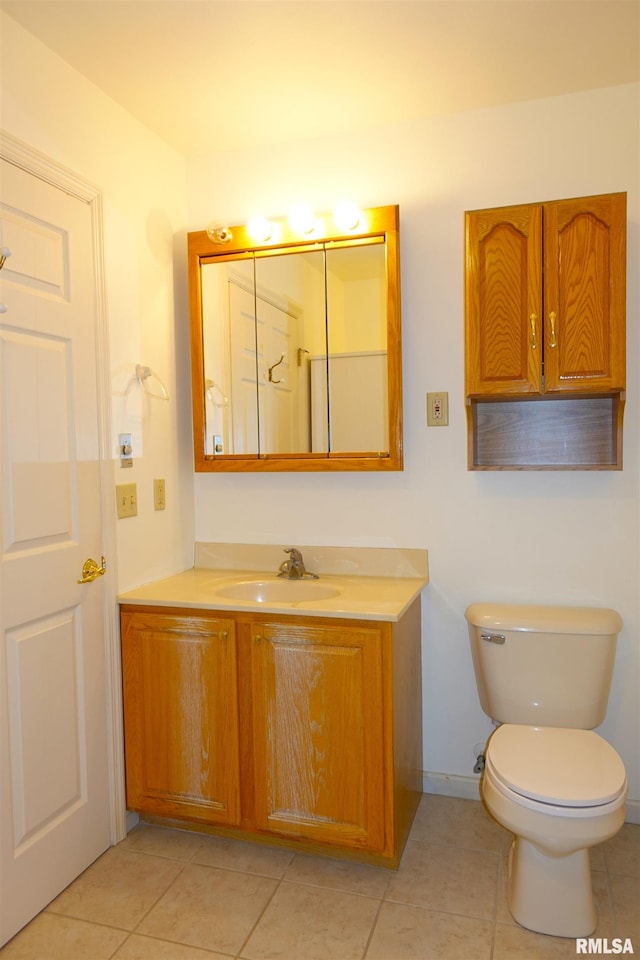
(555, 765)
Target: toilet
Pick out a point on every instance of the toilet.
(543, 676)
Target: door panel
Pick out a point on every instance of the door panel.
(585, 294)
(315, 691)
(54, 799)
(504, 301)
(244, 400)
(48, 760)
(39, 505)
(277, 379)
(181, 716)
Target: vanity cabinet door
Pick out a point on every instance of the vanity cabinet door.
(318, 732)
(181, 715)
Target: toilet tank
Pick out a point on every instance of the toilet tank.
(545, 666)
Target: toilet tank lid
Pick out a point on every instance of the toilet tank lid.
(541, 619)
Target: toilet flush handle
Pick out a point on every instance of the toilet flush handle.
(493, 637)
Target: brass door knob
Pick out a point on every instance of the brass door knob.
(91, 571)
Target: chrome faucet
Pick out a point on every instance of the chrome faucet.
(294, 568)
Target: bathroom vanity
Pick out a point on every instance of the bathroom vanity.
(286, 720)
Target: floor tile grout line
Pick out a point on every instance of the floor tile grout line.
(496, 905)
(449, 913)
(610, 897)
(163, 894)
(373, 928)
(259, 918)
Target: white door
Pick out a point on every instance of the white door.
(54, 768)
(277, 379)
(244, 398)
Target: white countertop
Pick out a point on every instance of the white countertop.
(360, 597)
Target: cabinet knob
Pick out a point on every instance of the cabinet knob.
(257, 638)
(532, 320)
(552, 320)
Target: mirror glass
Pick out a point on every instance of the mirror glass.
(296, 351)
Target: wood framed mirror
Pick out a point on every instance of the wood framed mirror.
(296, 359)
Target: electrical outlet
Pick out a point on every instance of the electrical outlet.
(127, 500)
(437, 409)
(159, 502)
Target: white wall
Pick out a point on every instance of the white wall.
(53, 109)
(567, 537)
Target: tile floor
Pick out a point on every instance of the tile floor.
(167, 894)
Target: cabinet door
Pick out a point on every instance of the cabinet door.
(585, 294)
(504, 301)
(318, 733)
(181, 716)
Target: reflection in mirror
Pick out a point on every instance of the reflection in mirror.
(296, 351)
(357, 341)
(290, 327)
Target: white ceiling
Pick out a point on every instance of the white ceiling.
(211, 75)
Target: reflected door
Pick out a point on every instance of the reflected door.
(244, 370)
(264, 395)
(54, 783)
(277, 346)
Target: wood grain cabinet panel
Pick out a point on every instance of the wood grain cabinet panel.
(181, 716)
(584, 275)
(504, 301)
(545, 288)
(318, 733)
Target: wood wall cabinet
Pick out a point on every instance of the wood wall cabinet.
(545, 322)
(322, 720)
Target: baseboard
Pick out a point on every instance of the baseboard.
(633, 811)
(468, 788)
(450, 785)
(133, 820)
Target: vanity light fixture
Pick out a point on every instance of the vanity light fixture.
(346, 215)
(219, 233)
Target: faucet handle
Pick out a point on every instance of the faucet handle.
(295, 554)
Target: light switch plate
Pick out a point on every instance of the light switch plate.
(127, 500)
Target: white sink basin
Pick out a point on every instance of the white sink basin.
(285, 591)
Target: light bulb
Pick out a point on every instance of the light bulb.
(346, 215)
(301, 219)
(260, 229)
(219, 232)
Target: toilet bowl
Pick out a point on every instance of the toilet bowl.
(559, 791)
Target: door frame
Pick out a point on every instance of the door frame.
(38, 164)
